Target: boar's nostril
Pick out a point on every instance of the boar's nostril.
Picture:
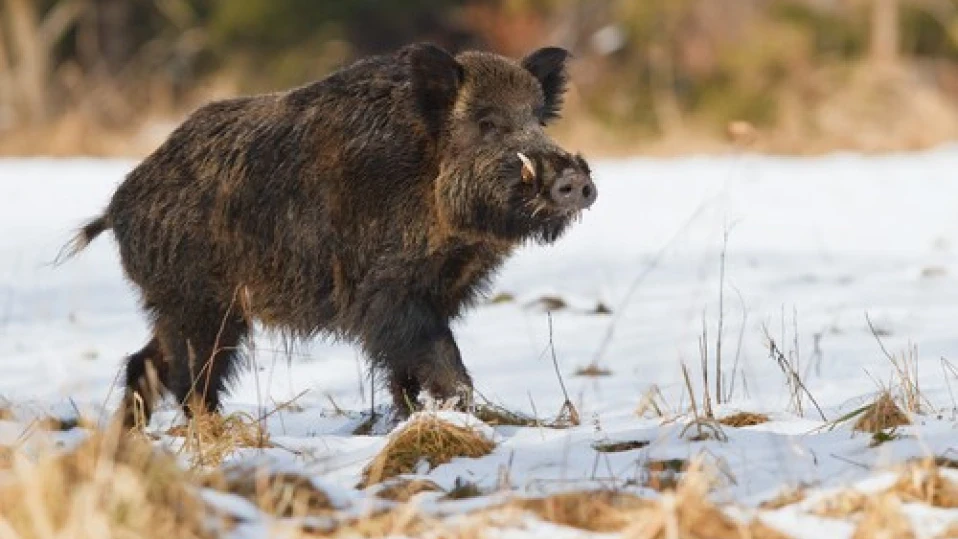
(566, 189)
(587, 191)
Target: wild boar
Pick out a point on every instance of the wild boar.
(373, 206)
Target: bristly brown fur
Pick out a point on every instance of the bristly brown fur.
(373, 205)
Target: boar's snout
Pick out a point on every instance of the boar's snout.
(573, 190)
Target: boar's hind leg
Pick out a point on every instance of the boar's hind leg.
(416, 349)
(146, 378)
(203, 343)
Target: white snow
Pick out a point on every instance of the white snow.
(813, 245)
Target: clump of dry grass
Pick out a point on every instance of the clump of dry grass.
(109, 486)
(950, 532)
(278, 494)
(597, 511)
(402, 490)
(687, 512)
(881, 415)
(879, 514)
(209, 438)
(841, 505)
(620, 446)
(502, 297)
(63, 424)
(6, 456)
(923, 482)
(495, 415)
(425, 437)
(744, 419)
(593, 370)
(785, 498)
(883, 519)
(547, 304)
(463, 490)
(665, 474)
(684, 512)
(404, 521)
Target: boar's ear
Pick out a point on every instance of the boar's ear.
(548, 66)
(436, 77)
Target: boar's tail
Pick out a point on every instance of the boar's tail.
(84, 236)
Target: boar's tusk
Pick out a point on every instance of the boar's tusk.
(528, 169)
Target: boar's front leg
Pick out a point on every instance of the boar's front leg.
(414, 346)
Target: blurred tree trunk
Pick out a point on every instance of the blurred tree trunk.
(32, 65)
(6, 82)
(30, 60)
(665, 104)
(884, 42)
(114, 25)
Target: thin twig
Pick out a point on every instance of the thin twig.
(738, 346)
(721, 319)
(704, 356)
(791, 376)
(567, 405)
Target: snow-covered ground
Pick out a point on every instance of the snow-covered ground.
(813, 246)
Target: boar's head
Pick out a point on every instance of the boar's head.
(498, 171)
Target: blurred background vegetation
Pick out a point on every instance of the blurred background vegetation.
(108, 77)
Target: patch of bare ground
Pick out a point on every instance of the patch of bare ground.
(744, 419)
(593, 370)
(619, 446)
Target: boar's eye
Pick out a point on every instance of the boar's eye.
(490, 124)
(487, 126)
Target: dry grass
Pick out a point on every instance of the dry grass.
(502, 297)
(879, 514)
(405, 521)
(425, 438)
(683, 511)
(62, 424)
(923, 482)
(402, 490)
(210, 438)
(744, 419)
(950, 533)
(547, 304)
(113, 486)
(881, 415)
(110, 486)
(278, 494)
(842, 505)
(785, 498)
(6, 456)
(620, 446)
(495, 415)
(687, 513)
(665, 474)
(593, 370)
(601, 511)
(883, 519)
